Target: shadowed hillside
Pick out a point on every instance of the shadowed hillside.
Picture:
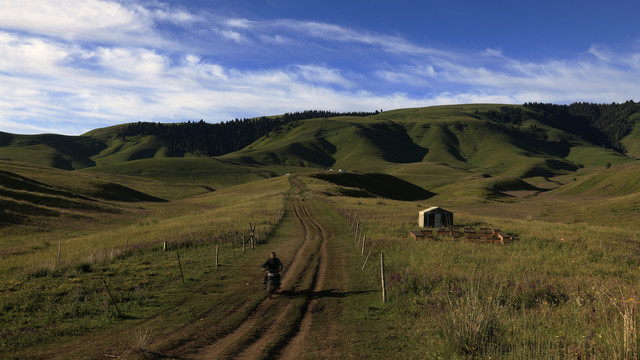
(371, 185)
(25, 199)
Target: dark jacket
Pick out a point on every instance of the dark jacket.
(273, 265)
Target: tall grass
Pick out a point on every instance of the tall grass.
(41, 299)
(566, 288)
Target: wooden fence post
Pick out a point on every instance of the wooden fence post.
(355, 238)
(180, 265)
(363, 244)
(244, 246)
(384, 289)
(217, 252)
(112, 299)
(59, 251)
(252, 240)
(366, 259)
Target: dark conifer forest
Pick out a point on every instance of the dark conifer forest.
(225, 137)
(600, 124)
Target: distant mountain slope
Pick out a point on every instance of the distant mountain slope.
(29, 192)
(497, 140)
(463, 136)
(59, 151)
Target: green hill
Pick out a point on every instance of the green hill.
(617, 180)
(30, 192)
(459, 136)
(62, 152)
(205, 171)
(430, 147)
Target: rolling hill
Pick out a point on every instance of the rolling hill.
(491, 148)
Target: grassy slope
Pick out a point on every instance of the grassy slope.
(618, 180)
(190, 170)
(406, 142)
(560, 235)
(455, 135)
(69, 299)
(63, 152)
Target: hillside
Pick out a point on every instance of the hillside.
(43, 197)
(469, 142)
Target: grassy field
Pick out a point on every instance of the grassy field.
(567, 286)
(53, 283)
(74, 244)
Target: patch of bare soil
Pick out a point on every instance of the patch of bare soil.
(296, 345)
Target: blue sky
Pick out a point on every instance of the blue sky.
(69, 66)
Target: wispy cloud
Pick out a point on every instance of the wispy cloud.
(72, 65)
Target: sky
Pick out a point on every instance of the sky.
(70, 66)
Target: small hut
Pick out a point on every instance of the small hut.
(435, 217)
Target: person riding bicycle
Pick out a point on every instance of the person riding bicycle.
(272, 265)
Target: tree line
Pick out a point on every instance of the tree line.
(601, 124)
(221, 138)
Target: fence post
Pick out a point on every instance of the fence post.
(112, 299)
(59, 251)
(355, 238)
(252, 239)
(366, 259)
(363, 244)
(244, 244)
(217, 252)
(384, 289)
(180, 265)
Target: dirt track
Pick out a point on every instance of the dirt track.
(278, 327)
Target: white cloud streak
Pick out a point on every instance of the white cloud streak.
(95, 63)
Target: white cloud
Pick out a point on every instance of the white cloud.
(104, 21)
(95, 63)
(322, 75)
(141, 63)
(233, 35)
(240, 23)
(68, 18)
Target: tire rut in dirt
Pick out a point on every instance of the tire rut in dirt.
(287, 326)
(258, 335)
(295, 345)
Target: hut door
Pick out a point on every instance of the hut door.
(437, 220)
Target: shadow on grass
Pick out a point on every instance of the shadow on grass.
(331, 293)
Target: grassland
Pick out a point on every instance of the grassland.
(47, 296)
(565, 288)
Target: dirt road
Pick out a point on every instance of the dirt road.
(278, 327)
